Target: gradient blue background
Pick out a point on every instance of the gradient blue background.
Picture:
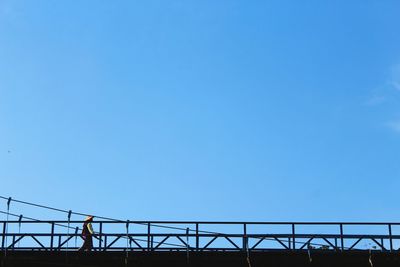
(202, 110)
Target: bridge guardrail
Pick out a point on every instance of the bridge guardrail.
(200, 236)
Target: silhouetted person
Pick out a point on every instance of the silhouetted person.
(87, 234)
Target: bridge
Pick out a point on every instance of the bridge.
(28, 241)
(196, 243)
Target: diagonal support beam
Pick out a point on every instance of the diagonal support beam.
(183, 242)
(65, 241)
(16, 241)
(162, 242)
(37, 241)
(361, 238)
(233, 243)
(307, 243)
(113, 242)
(259, 241)
(280, 242)
(137, 244)
(209, 243)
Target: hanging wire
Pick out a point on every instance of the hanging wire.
(309, 252)
(153, 224)
(56, 209)
(65, 226)
(69, 220)
(144, 240)
(31, 219)
(100, 217)
(66, 251)
(117, 220)
(370, 258)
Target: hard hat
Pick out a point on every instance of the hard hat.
(89, 218)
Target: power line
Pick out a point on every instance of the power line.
(85, 214)
(70, 227)
(100, 217)
(32, 219)
(152, 224)
(51, 208)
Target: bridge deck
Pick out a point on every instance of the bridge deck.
(199, 259)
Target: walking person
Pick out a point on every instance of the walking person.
(87, 234)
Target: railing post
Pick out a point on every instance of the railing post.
(293, 236)
(3, 236)
(187, 245)
(52, 236)
(76, 236)
(127, 239)
(197, 236)
(390, 237)
(148, 236)
(100, 234)
(244, 236)
(341, 237)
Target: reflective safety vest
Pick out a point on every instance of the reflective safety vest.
(87, 229)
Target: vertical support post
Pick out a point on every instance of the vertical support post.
(100, 234)
(76, 235)
(4, 235)
(244, 237)
(341, 237)
(68, 235)
(19, 227)
(52, 236)
(187, 245)
(127, 243)
(6, 228)
(197, 236)
(390, 237)
(148, 236)
(293, 236)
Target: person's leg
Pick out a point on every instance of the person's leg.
(84, 245)
(89, 243)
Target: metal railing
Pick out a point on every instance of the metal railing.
(201, 236)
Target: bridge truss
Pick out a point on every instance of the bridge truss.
(189, 236)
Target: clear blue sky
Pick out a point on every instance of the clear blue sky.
(202, 110)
